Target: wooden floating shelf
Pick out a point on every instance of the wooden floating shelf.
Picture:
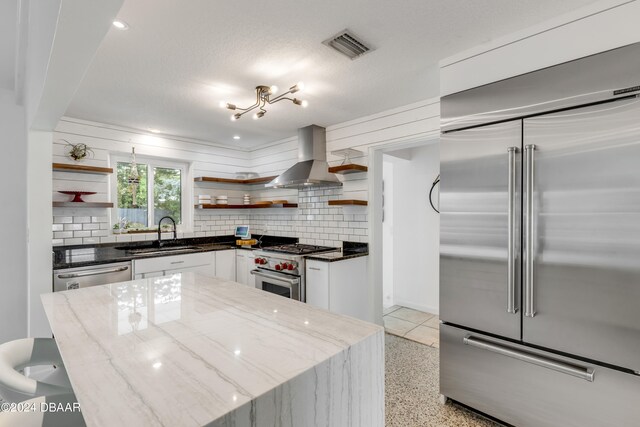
(259, 180)
(278, 206)
(82, 205)
(347, 169)
(348, 203)
(63, 167)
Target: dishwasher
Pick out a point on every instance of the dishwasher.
(94, 275)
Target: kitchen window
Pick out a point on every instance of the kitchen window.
(161, 191)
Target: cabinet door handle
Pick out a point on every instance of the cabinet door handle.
(92, 272)
(314, 268)
(177, 262)
(525, 356)
(529, 307)
(511, 220)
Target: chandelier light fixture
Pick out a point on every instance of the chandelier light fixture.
(263, 97)
(134, 178)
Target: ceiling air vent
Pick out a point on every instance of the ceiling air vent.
(348, 44)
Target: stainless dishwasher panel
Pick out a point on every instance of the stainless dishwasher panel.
(94, 275)
(533, 388)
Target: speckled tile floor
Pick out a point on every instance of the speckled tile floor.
(411, 388)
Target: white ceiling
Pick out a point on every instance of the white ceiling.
(179, 59)
(8, 37)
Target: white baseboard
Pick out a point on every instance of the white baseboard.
(419, 307)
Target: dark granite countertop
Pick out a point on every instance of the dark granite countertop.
(349, 250)
(86, 255)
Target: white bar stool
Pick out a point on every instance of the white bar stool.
(43, 415)
(19, 354)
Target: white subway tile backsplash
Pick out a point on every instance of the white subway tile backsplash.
(314, 222)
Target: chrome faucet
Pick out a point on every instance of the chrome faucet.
(175, 234)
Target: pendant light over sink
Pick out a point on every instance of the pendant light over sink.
(263, 97)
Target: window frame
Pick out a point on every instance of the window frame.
(186, 191)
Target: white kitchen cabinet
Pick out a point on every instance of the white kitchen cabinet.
(245, 262)
(201, 262)
(226, 264)
(317, 280)
(340, 287)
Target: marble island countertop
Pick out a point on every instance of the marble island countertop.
(191, 350)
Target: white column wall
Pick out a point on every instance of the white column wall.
(13, 192)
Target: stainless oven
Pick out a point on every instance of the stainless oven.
(283, 284)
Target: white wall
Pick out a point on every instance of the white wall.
(416, 228)
(13, 250)
(387, 235)
(39, 207)
(598, 27)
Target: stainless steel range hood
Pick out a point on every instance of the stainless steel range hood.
(312, 169)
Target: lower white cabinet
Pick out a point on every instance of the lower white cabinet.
(226, 264)
(201, 262)
(317, 281)
(245, 262)
(340, 286)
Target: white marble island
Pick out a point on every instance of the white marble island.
(187, 350)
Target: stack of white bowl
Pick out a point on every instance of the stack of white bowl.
(222, 200)
(247, 199)
(203, 199)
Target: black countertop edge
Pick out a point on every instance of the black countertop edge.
(336, 257)
(106, 253)
(350, 250)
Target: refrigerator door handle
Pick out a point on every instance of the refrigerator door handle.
(511, 235)
(586, 374)
(529, 307)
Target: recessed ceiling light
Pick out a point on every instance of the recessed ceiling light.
(236, 136)
(121, 25)
(155, 131)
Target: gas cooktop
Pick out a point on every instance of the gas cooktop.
(299, 249)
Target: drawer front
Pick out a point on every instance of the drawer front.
(527, 387)
(172, 262)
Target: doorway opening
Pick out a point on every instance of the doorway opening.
(407, 235)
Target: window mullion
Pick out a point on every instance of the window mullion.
(150, 200)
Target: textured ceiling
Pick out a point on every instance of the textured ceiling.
(179, 59)
(8, 34)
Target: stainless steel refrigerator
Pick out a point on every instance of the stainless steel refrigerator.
(540, 245)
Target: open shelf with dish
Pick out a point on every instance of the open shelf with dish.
(347, 166)
(64, 167)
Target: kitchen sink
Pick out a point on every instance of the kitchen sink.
(162, 250)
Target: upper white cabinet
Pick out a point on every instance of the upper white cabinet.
(245, 262)
(226, 264)
(201, 262)
(340, 286)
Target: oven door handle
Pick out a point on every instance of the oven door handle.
(291, 282)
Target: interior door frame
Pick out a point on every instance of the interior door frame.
(375, 209)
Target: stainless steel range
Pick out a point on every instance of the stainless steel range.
(281, 269)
